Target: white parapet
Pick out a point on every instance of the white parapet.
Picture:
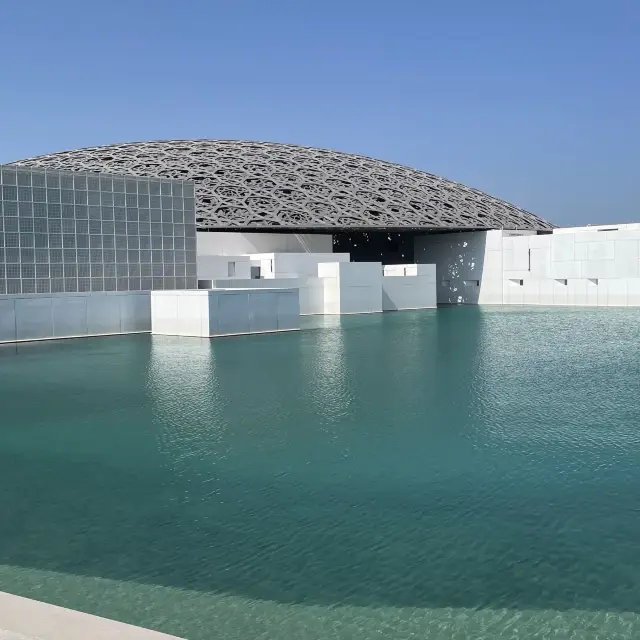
(351, 287)
(409, 286)
(311, 290)
(224, 312)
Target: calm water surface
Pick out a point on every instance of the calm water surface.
(465, 473)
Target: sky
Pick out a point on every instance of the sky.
(533, 101)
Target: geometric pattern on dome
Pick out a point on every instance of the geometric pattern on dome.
(263, 185)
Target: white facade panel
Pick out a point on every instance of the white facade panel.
(25, 317)
(574, 267)
(231, 243)
(224, 312)
(217, 267)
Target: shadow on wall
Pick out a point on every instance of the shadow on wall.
(459, 260)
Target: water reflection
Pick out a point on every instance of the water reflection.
(465, 459)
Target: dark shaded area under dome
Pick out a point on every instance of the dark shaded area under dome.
(269, 186)
(376, 246)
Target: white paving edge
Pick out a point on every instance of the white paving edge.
(26, 619)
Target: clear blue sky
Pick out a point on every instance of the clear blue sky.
(534, 101)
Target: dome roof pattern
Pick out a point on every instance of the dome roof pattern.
(247, 185)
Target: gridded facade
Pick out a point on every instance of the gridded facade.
(70, 232)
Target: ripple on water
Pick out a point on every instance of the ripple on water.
(461, 473)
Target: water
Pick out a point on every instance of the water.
(460, 473)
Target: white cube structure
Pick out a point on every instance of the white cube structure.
(351, 287)
(224, 312)
(215, 267)
(409, 286)
(294, 265)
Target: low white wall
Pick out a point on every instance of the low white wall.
(214, 267)
(65, 315)
(589, 266)
(224, 312)
(411, 286)
(232, 243)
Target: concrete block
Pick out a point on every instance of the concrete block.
(540, 242)
(360, 274)
(516, 275)
(513, 293)
(103, 314)
(577, 292)
(311, 300)
(220, 312)
(508, 262)
(546, 291)
(633, 292)
(288, 309)
(531, 291)
(540, 262)
(599, 269)
(626, 249)
(164, 314)
(7, 320)
(135, 312)
(328, 270)
(560, 293)
(69, 315)
(34, 318)
(617, 292)
(492, 266)
(491, 291)
(263, 311)
(624, 234)
(407, 292)
(492, 240)
(626, 267)
(360, 299)
(232, 313)
(601, 250)
(570, 269)
(562, 248)
(603, 296)
(586, 236)
(581, 250)
(211, 267)
(592, 287)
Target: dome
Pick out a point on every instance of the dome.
(264, 185)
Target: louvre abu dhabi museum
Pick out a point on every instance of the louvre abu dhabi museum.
(219, 237)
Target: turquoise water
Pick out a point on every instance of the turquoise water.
(460, 473)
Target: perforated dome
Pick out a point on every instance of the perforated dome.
(252, 185)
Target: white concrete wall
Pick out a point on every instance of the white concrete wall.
(215, 267)
(311, 289)
(411, 286)
(351, 287)
(294, 265)
(231, 243)
(588, 266)
(66, 315)
(224, 312)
